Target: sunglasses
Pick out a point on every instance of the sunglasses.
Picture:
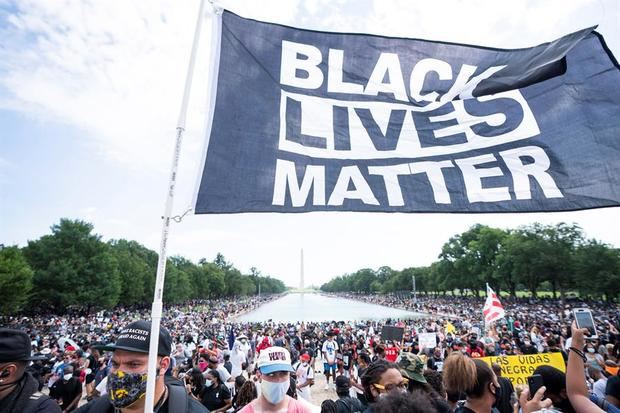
(391, 387)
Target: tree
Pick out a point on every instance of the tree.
(562, 240)
(15, 280)
(471, 257)
(177, 286)
(137, 266)
(72, 266)
(597, 267)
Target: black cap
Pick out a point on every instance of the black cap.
(15, 346)
(137, 337)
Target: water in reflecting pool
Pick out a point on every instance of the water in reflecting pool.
(315, 307)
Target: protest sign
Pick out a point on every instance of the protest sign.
(519, 368)
(427, 340)
(392, 333)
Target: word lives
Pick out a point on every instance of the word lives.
(397, 135)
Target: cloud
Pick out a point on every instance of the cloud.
(113, 69)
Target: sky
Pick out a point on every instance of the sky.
(90, 93)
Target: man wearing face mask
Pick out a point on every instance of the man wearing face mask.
(273, 371)
(67, 391)
(126, 382)
(18, 389)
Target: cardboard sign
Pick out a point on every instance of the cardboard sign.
(519, 368)
(392, 333)
(427, 340)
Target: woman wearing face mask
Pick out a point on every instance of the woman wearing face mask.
(381, 378)
(215, 396)
(475, 378)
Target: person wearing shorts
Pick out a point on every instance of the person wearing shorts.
(330, 347)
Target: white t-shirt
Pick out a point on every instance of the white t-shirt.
(102, 386)
(237, 357)
(303, 374)
(329, 351)
(224, 374)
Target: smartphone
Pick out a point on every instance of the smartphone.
(584, 319)
(534, 382)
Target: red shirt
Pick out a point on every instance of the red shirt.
(391, 353)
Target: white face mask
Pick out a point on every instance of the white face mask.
(67, 376)
(209, 383)
(274, 392)
(590, 350)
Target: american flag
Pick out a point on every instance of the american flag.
(492, 309)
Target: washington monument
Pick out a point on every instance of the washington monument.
(301, 272)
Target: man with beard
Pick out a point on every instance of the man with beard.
(18, 389)
(126, 383)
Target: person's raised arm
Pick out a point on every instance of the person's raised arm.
(575, 377)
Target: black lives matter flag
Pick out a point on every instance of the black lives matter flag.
(314, 121)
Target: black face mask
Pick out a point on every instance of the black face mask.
(498, 394)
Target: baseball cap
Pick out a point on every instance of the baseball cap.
(136, 337)
(305, 357)
(411, 366)
(274, 359)
(15, 346)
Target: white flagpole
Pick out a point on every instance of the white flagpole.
(156, 310)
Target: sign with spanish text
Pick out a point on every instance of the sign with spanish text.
(519, 368)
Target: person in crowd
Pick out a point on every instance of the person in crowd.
(598, 380)
(382, 377)
(399, 402)
(329, 406)
(239, 382)
(194, 383)
(505, 399)
(412, 368)
(555, 382)
(246, 393)
(274, 369)
(227, 364)
(576, 388)
(329, 349)
(612, 394)
(435, 380)
(126, 383)
(345, 403)
(475, 378)
(19, 391)
(213, 364)
(304, 377)
(67, 391)
(215, 396)
(237, 358)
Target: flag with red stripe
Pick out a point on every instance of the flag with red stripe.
(492, 309)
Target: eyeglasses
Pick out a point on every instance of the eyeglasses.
(391, 387)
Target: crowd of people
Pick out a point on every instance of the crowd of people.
(226, 365)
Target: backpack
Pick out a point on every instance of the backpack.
(294, 375)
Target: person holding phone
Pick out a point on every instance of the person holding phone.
(575, 378)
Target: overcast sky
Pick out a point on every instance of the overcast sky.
(89, 98)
